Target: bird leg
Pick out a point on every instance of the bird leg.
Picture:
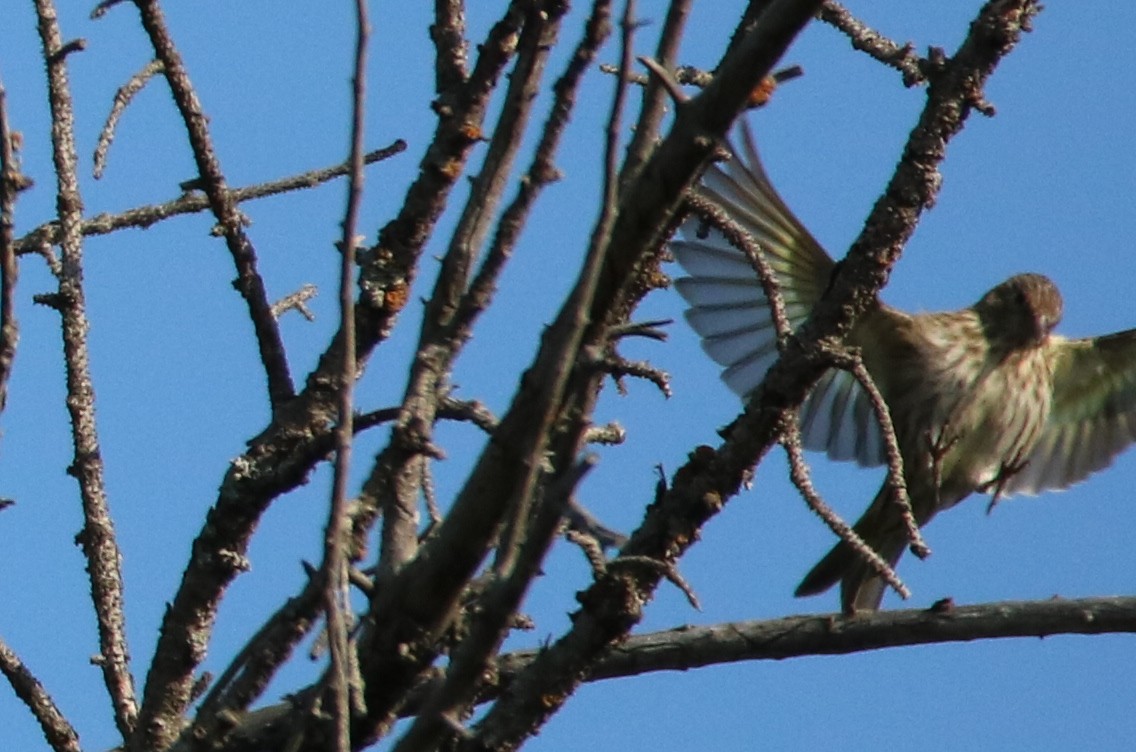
(937, 449)
(1007, 471)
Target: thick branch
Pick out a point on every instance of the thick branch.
(686, 648)
(833, 634)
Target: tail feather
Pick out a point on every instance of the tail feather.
(827, 572)
(861, 589)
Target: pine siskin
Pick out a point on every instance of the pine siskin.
(983, 399)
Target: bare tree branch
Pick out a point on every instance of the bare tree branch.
(122, 99)
(834, 634)
(692, 647)
(280, 457)
(296, 301)
(654, 96)
(915, 69)
(799, 474)
(650, 203)
(437, 600)
(472, 661)
(395, 480)
(248, 674)
(97, 538)
(249, 282)
(341, 677)
(852, 363)
(11, 183)
(145, 216)
(58, 732)
(448, 33)
(614, 603)
(742, 240)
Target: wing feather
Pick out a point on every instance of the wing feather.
(729, 310)
(1093, 415)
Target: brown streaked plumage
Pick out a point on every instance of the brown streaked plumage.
(1003, 404)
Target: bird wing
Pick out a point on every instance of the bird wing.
(729, 310)
(1093, 414)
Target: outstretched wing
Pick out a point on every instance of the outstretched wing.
(1093, 415)
(729, 310)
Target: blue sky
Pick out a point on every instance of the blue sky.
(1046, 186)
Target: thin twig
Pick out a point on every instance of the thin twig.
(618, 367)
(248, 283)
(582, 522)
(101, 9)
(799, 473)
(296, 301)
(737, 236)
(144, 216)
(122, 99)
(610, 433)
(654, 102)
(665, 79)
(97, 538)
(390, 266)
(665, 569)
(648, 329)
(334, 570)
(541, 172)
(852, 363)
(591, 549)
(902, 58)
(471, 411)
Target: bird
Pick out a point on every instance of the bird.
(986, 399)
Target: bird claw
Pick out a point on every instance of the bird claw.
(937, 449)
(1007, 471)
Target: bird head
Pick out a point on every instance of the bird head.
(1021, 312)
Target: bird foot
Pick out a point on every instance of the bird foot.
(937, 447)
(998, 483)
